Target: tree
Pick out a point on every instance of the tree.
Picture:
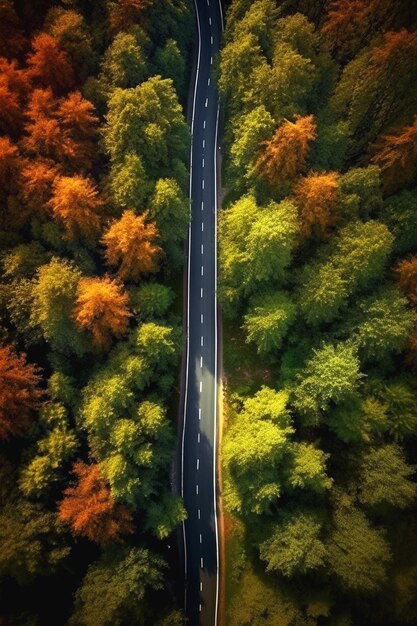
(130, 243)
(396, 155)
(158, 344)
(10, 111)
(374, 90)
(152, 300)
(31, 545)
(406, 275)
(295, 546)
(54, 295)
(166, 514)
(45, 468)
(170, 210)
(358, 553)
(126, 13)
(347, 26)
(386, 478)
(148, 121)
(124, 62)
(11, 31)
(307, 469)
(382, 324)
(20, 393)
(10, 165)
(355, 259)
(130, 187)
(37, 177)
(256, 245)
(78, 121)
(238, 59)
(43, 132)
(254, 448)
(49, 65)
(170, 63)
(284, 156)
(267, 321)
(262, 604)
(102, 308)
(90, 510)
(331, 375)
(69, 28)
(76, 204)
(317, 197)
(250, 130)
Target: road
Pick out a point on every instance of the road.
(198, 453)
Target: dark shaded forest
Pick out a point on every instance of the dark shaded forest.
(93, 214)
(318, 280)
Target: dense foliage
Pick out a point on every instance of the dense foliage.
(318, 275)
(93, 216)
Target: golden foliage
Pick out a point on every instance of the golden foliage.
(316, 196)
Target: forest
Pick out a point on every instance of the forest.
(318, 285)
(94, 211)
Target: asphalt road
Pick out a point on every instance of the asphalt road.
(198, 471)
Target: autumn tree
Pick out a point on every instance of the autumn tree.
(130, 245)
(374, 90)
(43, 131)
(102, 308)
(10, 165)
(19, 392)
(10, 109)
(89, 509)
(396, 155)
(284, 156)
(49, 65)
(406, 274)
(76, 204)
(78, 121)
(37, 177)
(317, 196)
(12, 41)
(126, 13)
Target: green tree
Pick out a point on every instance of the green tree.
(386, 478)
(69, 27)
(129, 184)
(122, 577)
(170, 63)
(165, 514)
(54, 294)
(267, 321)
(332, 375)
(254, 448)
(295, 546)
(353, 261)
(250, 130)
(170, 210)
(148, 121)
(152, 300)
(357, 552)
(308, 468)
(256, 245)
(125, 62)
(30, 543)
(382, 324)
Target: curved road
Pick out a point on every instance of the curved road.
(198, 467)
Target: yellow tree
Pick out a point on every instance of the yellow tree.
(76, 204)
(316, 197)
(130, 244)
(284, 156)
(396, 155)
(102, 308)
